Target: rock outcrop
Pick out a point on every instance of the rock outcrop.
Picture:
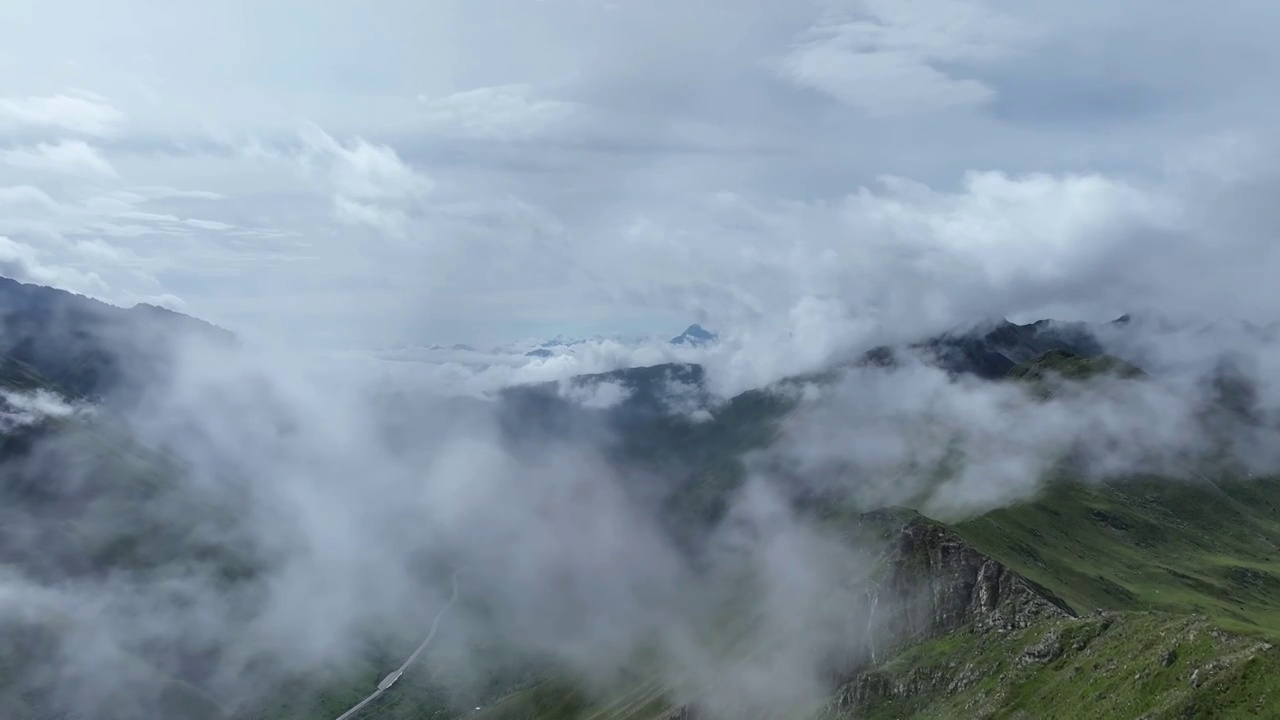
(933, 583)
(937, 583)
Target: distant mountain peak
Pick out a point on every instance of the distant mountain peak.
(562, 341)
(694, 335)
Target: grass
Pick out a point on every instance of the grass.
(1148, 543)
(1120, 665)
(1068, 366)
(1171, 561)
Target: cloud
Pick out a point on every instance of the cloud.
(208, 224)
(22, 409)
(957, 447)
(359, 169)
(104, 242)
(595, 396)
(370, 184)
(558, 560)
(21, 262)
(660, 154)
(895, 58)
(482, 373)
(83, 113)
(390, 221)
(73, 157)
(503, 113)
(27, 195)
(329, 491)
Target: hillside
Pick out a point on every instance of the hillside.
(1063, 365)
(1088, 602)
(1138, 596)
(83, 347)
(1141, 596)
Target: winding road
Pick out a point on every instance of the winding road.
(391, 679)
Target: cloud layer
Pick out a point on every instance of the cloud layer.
(477, 173)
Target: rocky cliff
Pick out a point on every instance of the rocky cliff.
(936, 583)
(932, 584)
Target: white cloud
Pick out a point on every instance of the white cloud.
(596, 396)
(167, 193)
(84, 113)
(390, 221)
(73, 157)
(503, 113)
(556, 162)
(103, 244)
(26, 195)
(359, 169)
(208, 224)
(896, 251)
(24, 408)
(369, 184)
(21, 262)
(891, 57)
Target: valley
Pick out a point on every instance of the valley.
(1136, 595)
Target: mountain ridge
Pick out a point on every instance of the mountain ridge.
(1110, 599)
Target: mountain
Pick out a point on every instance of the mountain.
(1069, 366)
(992, 351)
(83, 347)
(1133, 596)
(694, 336)
(1137, 597)
(563, 341)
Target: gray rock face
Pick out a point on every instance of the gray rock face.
(871, 689)
(1046, 651)
(937, 583)
(934, 583)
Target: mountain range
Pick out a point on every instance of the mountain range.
(1131, 596)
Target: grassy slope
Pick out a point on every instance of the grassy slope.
(24, 692)
(1152, 565)
(1155, 549)
(1068, 366)
(1178, 559)
(1120, 665)
(1192, 545)
(1180, 546)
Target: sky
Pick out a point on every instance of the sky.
(362, 174)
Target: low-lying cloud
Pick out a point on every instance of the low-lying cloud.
(957, 446)
(291, 517)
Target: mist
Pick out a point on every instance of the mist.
(956, 446)
(296, 518)
(304, 516)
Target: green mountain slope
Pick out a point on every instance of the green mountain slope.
(1175, 585)
(1148, 543)
(1137, 597)
(1169, 590)
(1069, 366)
(1185, 633)
(1112, 665)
